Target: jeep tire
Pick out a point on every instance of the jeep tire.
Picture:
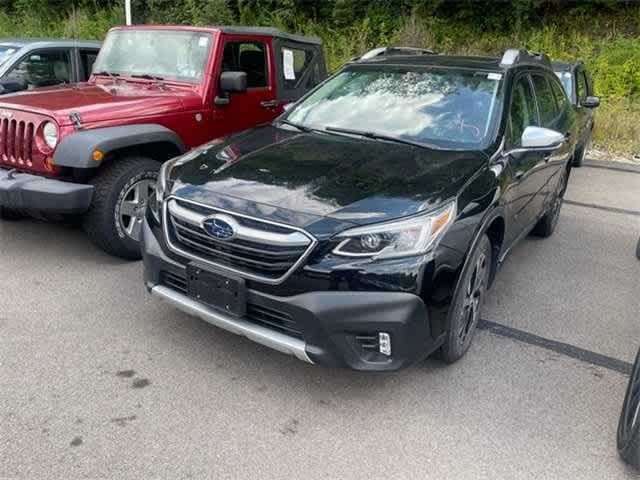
(114, 220)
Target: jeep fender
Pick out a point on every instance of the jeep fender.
(76, 150)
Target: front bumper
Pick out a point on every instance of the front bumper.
(332, 328)
(31, 192)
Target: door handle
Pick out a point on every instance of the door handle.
(269, 103)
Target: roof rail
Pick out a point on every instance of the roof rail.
(382, 51)
(520, 56)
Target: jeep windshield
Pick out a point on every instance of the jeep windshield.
(443, 108)
(154, 54)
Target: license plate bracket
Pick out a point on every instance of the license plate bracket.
(217, 289)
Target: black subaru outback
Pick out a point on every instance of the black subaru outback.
(363, 227)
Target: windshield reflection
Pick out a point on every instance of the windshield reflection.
(449, 108)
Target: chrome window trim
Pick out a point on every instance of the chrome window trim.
(246, 275)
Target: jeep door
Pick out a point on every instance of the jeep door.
(521, 193)
(258, 104)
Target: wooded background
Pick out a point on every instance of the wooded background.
(605, 34)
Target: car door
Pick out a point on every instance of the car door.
(584, 115)
(44, 68)
(554, 114)
(521, 192)
(258, 104)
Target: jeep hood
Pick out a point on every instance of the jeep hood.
(302, 178)
(100, 102)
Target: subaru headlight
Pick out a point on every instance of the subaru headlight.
(50, 133)
(399, 238)
(163, 187)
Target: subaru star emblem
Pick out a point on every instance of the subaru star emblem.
(6, 114)
(220, 227)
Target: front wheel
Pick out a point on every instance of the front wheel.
(122, 188)
(467, 304)
(628, 437)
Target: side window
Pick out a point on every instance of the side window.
(560, 94)
(249, 57)
(582, 86)
(546, 100)
(87, 58)
(522, 113)
(43, 68)
(294, 63)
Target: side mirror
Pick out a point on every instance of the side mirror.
(590, 102)
(11, 85)
(539, 138)
(233, 82)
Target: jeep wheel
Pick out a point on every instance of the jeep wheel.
(547, 224)
(114, 221)
(10, 214)
(467, 304)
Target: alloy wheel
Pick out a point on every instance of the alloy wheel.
(473, 296)
(132, 207)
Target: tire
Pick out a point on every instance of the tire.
(10, 214)
(114, 219)
(547, 224)
(628, 436)
(467, 304)
(581, 152)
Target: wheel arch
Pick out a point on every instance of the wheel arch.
(150, 140)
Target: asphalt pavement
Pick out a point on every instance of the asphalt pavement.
(98, 380)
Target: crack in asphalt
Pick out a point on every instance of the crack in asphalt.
(562, 348)
(624, 211)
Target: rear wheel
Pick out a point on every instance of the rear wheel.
(10, 214)
(122, 188)
(628, 437)
(581, 153)
(467, 305)
(547, 224)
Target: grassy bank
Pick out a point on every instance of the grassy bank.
(607, 41)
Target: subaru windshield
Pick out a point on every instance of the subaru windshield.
(155, 54)
(445, 108)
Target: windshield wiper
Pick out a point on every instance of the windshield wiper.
(380, 136)
(105, 73)
(146, 76)
(302, 128)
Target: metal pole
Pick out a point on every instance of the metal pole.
(127, 11)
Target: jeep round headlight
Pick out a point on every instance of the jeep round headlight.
(50, 133)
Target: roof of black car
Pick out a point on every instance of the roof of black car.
(49, 42)
(565, 66)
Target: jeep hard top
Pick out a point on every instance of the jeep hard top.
(94, 148)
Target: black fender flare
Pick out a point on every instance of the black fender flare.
(76, 150)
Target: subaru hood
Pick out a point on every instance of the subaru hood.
(303, 178)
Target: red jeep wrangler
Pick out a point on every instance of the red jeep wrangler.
(94, 149)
